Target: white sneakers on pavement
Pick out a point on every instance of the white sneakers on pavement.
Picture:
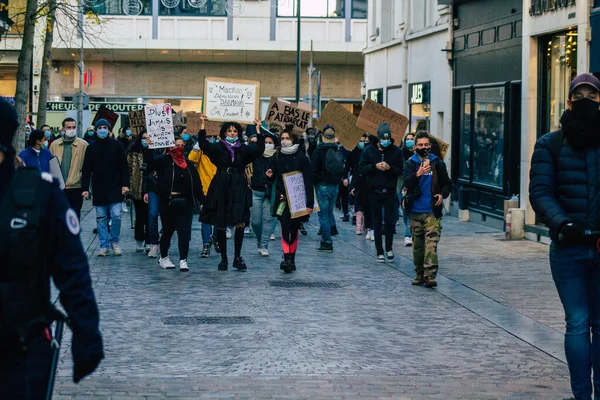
(390, 255)
(263, 252)
(116, 249)
(408, 241)
(272, 237)
(166, 263)
(370, 235)
(153, 253)
(183, 266)
(139, 246)
(103, 252)
(228, 233)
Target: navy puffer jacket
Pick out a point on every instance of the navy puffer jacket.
(565, 189)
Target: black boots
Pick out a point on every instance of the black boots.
(238, 262)
(223, 264)
(288, 264)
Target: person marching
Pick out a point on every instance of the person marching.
(229, 198)
(179, 186)
(135, 160)
(357, 185)
(37, 155)
(408, 150)
(287, 160)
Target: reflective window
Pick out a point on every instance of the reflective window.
(465, 134)
(212, 8)
(119, 7)
(312, 8)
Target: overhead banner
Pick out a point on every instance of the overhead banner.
(344, 123)
(373, 114)
(231, 100)
(159, 123)
(283, 112)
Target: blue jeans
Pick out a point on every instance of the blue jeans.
(260, 216)
(153, 212)
(207, 232)
(576, 274)
(407, 232)
(102, 214)
(326, 196)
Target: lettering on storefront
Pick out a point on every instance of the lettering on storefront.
(114, 107)
(419, 93)
(540, 7)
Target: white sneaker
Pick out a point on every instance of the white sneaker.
(103, 252)
(153, 253)
(368, 236)
(228, 233)
(372, 235)
(125, 209)
(247, 230)
(263, 252)
(183, 267)
(139, 246)
(166, 263)
(116, 249)
(408, 241)
(272, 237)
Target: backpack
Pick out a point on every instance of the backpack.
(334, 165)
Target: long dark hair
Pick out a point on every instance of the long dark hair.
(225, 127)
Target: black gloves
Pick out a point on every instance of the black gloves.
(83, 368)
(571, 233)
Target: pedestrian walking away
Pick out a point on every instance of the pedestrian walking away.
(151, 198)
(137, 170)
(563, 191)
(381, 164)
(44, 245)
(427, 184)
(229, 198)
(356, 184)
(289, 159)
(179, 187)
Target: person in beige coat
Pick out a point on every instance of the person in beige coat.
(70, 152)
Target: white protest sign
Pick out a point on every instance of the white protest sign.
(295, 193)
(159, 123)
(231, 100)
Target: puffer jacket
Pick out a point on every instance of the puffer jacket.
(566, 188)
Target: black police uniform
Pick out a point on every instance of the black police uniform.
(29, 256)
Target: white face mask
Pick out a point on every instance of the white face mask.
(286, 143)
(70, 133)
(269, 146)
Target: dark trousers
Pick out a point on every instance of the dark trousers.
(75, 200)
(24, 374)
(385, 202)
(141, 221)
(343, 199)
(289, 232)
(179, 221)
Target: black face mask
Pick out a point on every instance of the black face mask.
(422, 152)
(585, 109)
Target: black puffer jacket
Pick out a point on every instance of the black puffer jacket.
(377, 179)
(565, 189)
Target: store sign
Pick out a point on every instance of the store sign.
(540, 7)
(114, 107)
(419, 93)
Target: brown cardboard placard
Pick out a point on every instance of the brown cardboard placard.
(443, 146)
(344, 123)
(373, 114)
(235, 100)
(282, 112)
(137, 120)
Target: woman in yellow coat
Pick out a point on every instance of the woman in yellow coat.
(206, 170)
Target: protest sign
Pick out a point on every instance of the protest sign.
(231, 100)
(282, 112)
(443, 146)
(295, 192)
(193, 122)
(108, 115)
(344, 123)
(159, 123)
(213, 128)
(373, 114)
(179, 119)
(137, 120)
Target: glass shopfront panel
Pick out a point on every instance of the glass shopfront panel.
(465, 134)
(419, 117)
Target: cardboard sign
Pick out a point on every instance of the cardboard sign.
(282, 112)
(137, 121)
(179, 119)
(373, 114)
(344, 123)
(295, 192)
(231, 100)
(192, 122)
(213, 128)
(159, 123)
(443, 146)
(108, 115)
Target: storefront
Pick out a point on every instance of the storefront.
(419, 106)
(486, 108)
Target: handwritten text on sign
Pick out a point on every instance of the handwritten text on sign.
(344, 123)
(373, 114)
(159, 123)
(296, 193)
(282, 112)
(231, 100)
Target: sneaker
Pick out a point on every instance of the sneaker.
(139, 246)
(419, 280)
(325, 247)
(116, 249)
(183, 267)
(390, 256)
(153, 253)
(239, 263)
(380, 258)
(372, 235)
(228, 233)
(205, 251)
(215, 243)
(368, 237)
(247, 230)
(430, 282)
(166, 263)
(272, 237)
(408, 241)
(125, 209)
(103, 252)
(147, 248)
(263, 252)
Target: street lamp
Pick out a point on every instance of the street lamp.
(298, 61)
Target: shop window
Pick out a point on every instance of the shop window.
(465, 134)
(559, 66)
(359, 9)
(312, 8)
(120, 7)
(419, 117)
(207, 8)
(376, 95)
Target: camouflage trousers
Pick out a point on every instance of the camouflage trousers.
(426, 231)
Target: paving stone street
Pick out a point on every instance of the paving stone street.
(342, 326)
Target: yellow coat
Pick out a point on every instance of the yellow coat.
(206, 169)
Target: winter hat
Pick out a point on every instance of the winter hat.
(584, 79)
(101, 122)
(9, 123)
(328, 134)
(384, 131)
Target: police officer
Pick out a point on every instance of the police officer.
(39, 239)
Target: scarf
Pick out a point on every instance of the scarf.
(290, 150)
(581, 133)
(178, 158)
(269, 153)
(230, 148)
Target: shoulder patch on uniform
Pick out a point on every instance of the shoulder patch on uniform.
(72, 222)
(47, 177)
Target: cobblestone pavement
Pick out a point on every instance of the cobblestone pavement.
(492, 329)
